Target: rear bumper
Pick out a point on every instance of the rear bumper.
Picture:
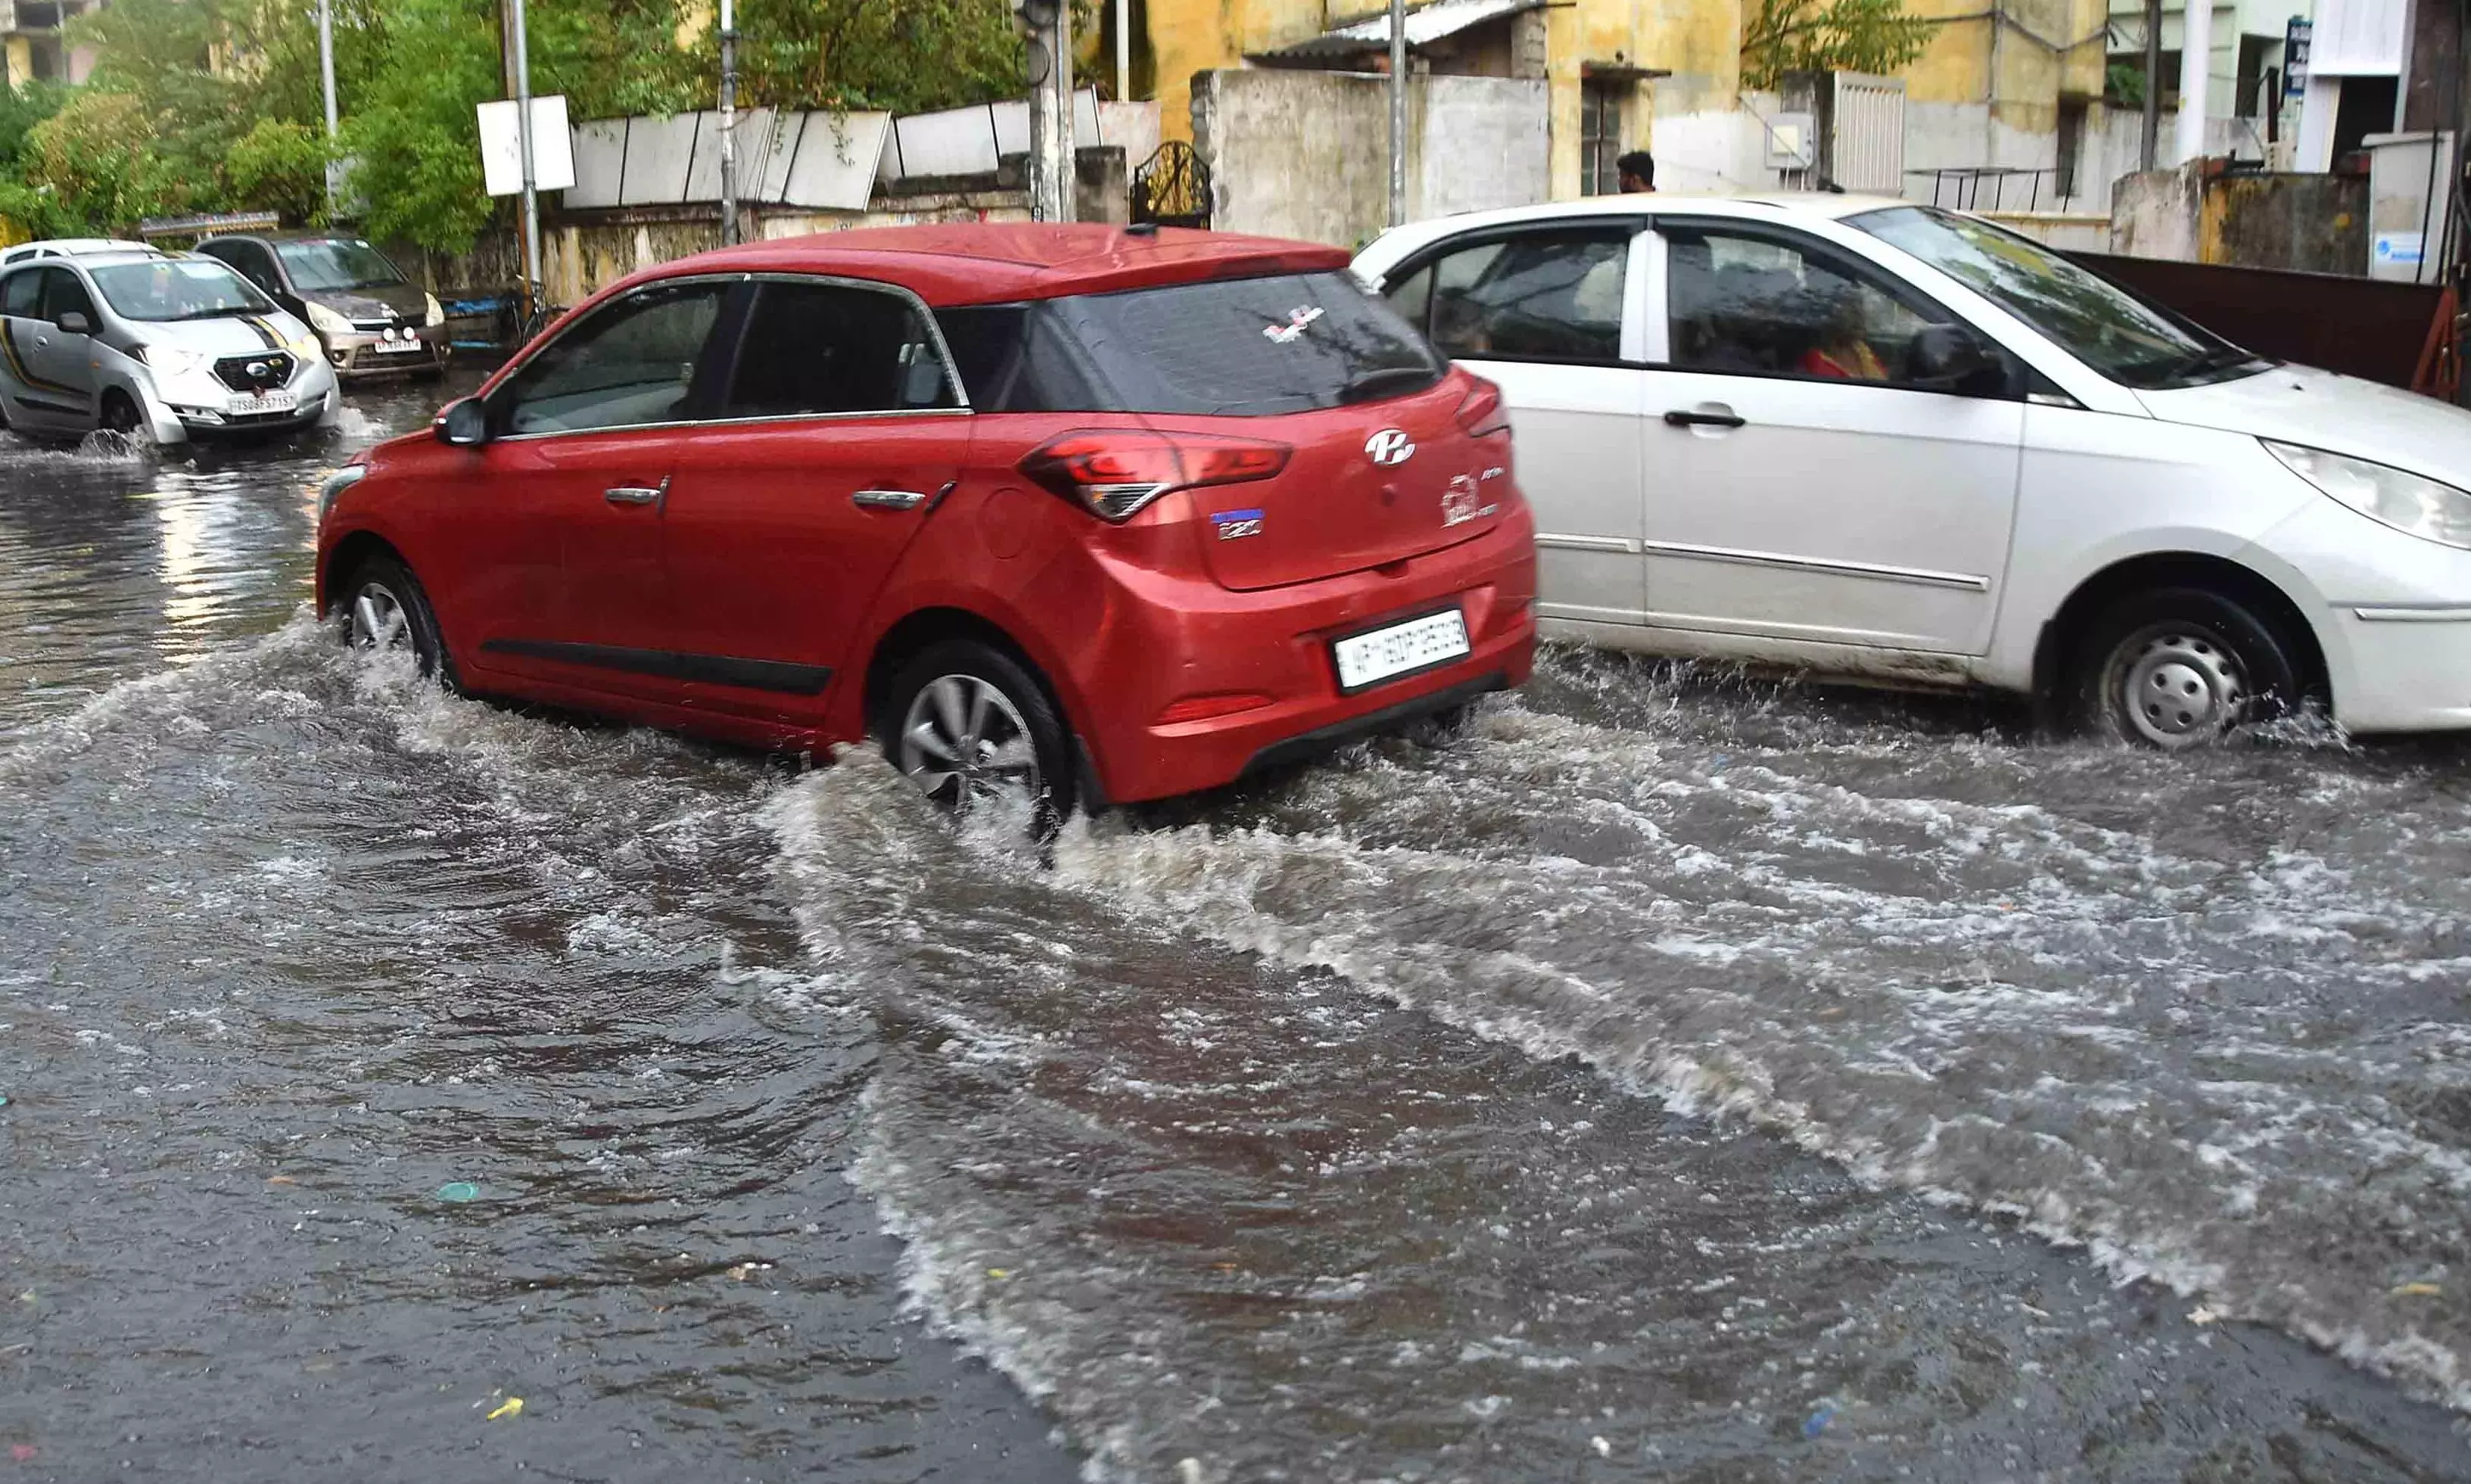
(1171, 641)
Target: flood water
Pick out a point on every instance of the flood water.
(1678, 1077)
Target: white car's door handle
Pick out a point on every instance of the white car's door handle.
(887, 498)
(1718, 416)
(636, 494)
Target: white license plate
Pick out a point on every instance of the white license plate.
(397, 347)
(1365, 659)
(265, 402)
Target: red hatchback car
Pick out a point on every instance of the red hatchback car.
(1111, 514)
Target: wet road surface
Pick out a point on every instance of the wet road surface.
(1677, 1078)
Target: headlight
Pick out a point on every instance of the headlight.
(170, 359)
(2409, 503)
(334, 485)
(326, 321)
(304, 345)
(436, 311)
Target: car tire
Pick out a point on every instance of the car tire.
(965, 721)
(2183, 667)
(120, 413)
(384, 609)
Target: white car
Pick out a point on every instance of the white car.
(142, 342)
(1864, 438)
(69, 248)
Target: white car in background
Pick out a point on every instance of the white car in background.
(1863, 437)
(145, 343)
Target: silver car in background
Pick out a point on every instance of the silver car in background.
(140, 343)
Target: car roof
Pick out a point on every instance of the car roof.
(74, 247)
(992, 263)
(1750, 205)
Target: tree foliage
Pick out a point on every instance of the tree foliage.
(1829, 35)
(902, 56)
(215, 105)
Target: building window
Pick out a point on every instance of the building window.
(1600, 139)
(2072, 129)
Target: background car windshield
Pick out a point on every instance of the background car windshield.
(179, 289)
(1246, 347)
(335, 263)
(2088, 315)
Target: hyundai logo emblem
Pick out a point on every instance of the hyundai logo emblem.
(1389, 446)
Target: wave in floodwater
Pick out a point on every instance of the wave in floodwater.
(1253, 1147)
(2123, 998)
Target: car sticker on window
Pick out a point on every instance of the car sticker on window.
(1297, 319)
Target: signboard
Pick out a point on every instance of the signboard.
(502, 150)
(2398, 249)
(2297, 36)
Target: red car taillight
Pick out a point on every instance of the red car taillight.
(1112, 473)
(1482, 412)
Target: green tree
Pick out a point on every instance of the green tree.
(101, 162)
(1829, 35)
(902, 56)
(280, 166)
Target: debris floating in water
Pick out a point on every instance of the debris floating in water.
(2416, 1291)
(1817, 1421)
(458, 1191)
(512, 1406)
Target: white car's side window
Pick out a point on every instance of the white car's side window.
(1554, 293)
(1771, 304)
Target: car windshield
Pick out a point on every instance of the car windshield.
(335, 263)
(179, 289)
(2115, 333)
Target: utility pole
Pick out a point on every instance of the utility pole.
(523, 69)
(2196, 79)
(326, 81)
(2153, 84)
(1045, 24)
(1124, 51)
(728, 126)
(1397, 112)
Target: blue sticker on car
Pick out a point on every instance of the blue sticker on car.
(1232, 523)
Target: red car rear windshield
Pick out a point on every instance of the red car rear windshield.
(1236, 347)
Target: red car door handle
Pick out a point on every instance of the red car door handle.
(887, 498)
(636, 494)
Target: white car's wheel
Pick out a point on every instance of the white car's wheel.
(2183, 666)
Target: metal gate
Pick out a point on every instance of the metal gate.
(1172, 187)
(1867, 133)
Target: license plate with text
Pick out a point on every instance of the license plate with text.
(1419, 643)
(269, 402)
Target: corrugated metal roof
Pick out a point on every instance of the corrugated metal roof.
(1426, 24)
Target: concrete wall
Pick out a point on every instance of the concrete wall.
(1294, 154)
(2069, 231)
(2312, 224)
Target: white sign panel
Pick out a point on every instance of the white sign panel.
(502, 150)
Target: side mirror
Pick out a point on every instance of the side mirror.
(1952, 357)
(71, 323)
(463, 424)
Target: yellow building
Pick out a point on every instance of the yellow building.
(2003, 84)
(30, 38)
(1611, 63)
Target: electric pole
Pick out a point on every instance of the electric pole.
(326, 81)
(523, 69)
(728, 126)
(2152, 84)
(1397, 112)
(1047, 27)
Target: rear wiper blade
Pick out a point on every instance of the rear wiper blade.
(1385, 382)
